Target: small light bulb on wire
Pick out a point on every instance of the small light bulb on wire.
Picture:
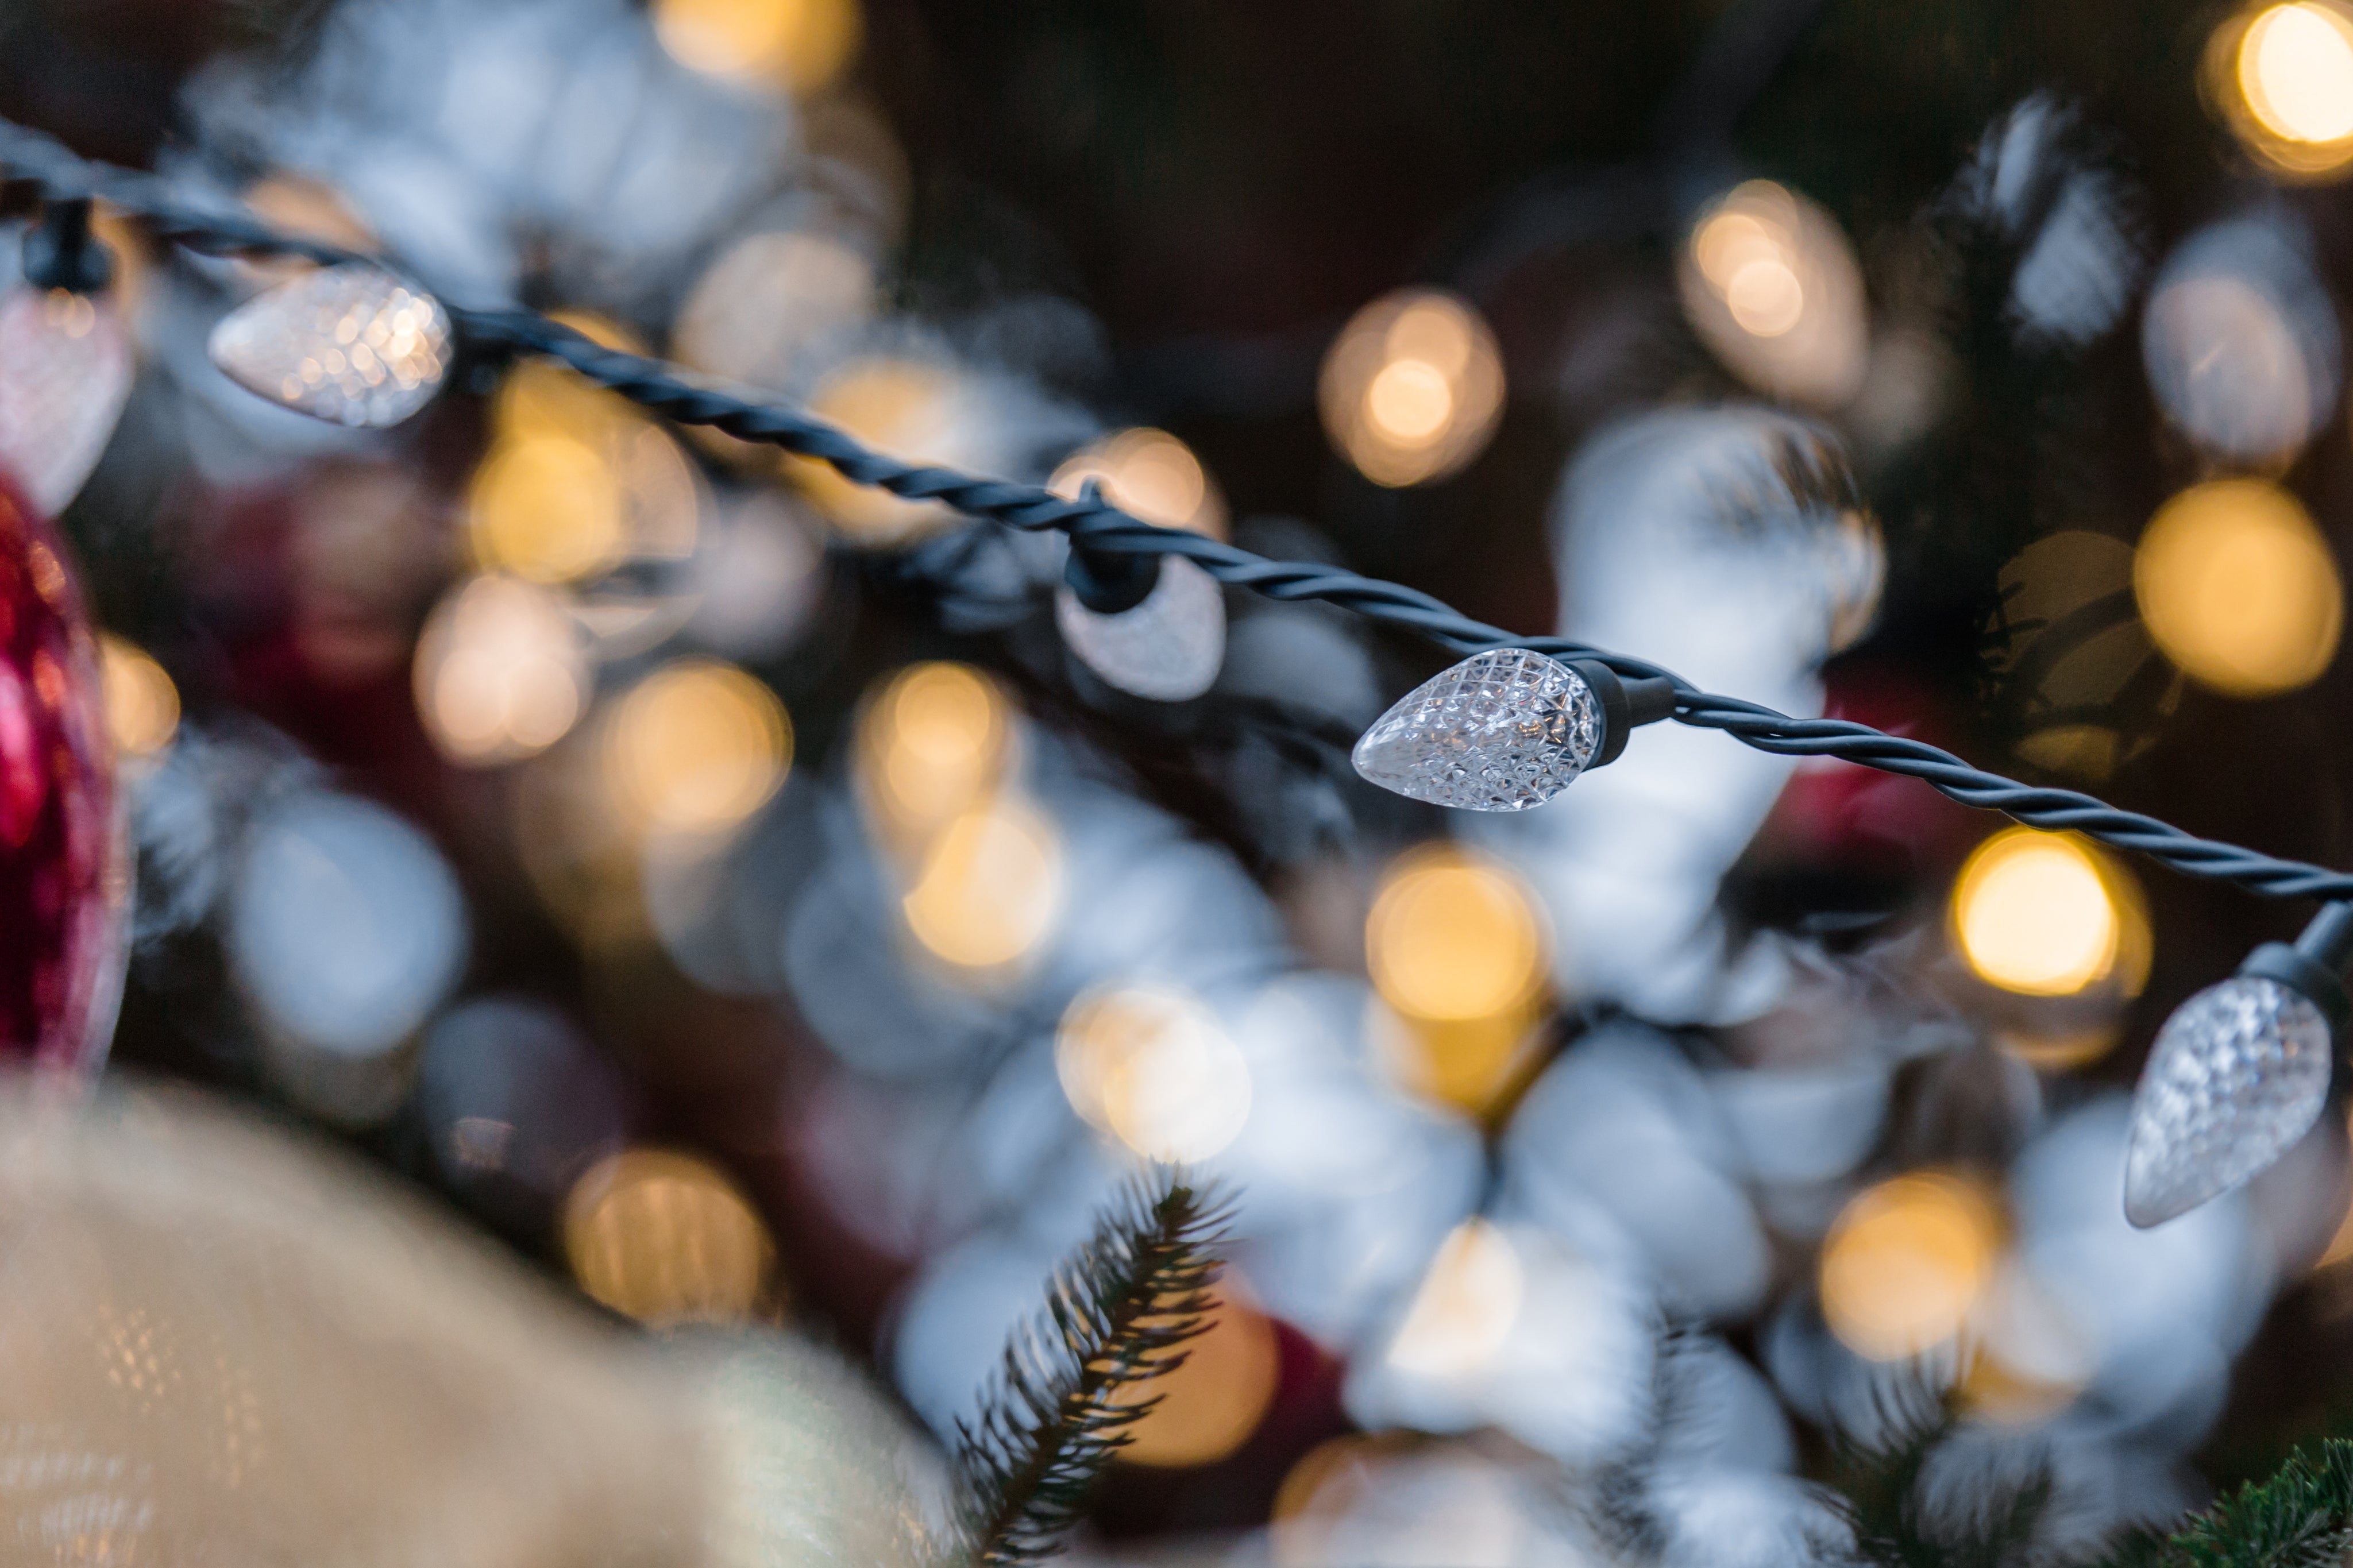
(350, 345)
(2239, 1073)
(1506, 729)
(1154, 628)
(65, 360)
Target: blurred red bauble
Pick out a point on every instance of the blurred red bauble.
(63, 869)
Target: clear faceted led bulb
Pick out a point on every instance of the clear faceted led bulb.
(2238, 1073)
(350, 345)
(1502, 730)
(65, 373)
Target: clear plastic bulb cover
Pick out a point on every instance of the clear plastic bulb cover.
(2238, 1073)
(1168, 648)
(350, 345)
(65, 373)
(1502, 730)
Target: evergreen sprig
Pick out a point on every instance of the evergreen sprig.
(2299, 1517)
(2302, 1516)
(1117, 1311)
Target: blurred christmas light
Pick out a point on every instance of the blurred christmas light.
(1209, 1406)
(1412, 388)
(909, 408)
(989, 889)
(65, 374)
(667, 1238)
(2283, 75)
(2240, 340)
(500, 672)
(1456, 948)
(1465, 1307)
(803, 45)
(1151, 474)
(350, 345)
(1452, 935)
(1152, 1066)
(2239, 588)
(934, 742)
(577, 479)
(697, 746)
(767, 302)
(1771, 286)
(547, 507)
(347, 929)
(143, 706)
(2044, 914)
(1906, 1262)
(1169, 646)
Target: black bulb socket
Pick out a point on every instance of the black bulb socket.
(1625, 704)
(60, 251)
(2313, 966)
(1110, 583)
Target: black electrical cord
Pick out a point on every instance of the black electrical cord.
(1105, 533)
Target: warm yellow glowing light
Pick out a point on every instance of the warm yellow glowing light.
(2296, 67)
(990, 888)
(546, 507)
(1151, 1065)
(143, 706)
(1409, 402)
(576, 479)
(1455, 948)
(1906, 1263)
(1465, 1307)
(1151, 474)
(698, 746)
(803, 44)
(2239, 588)
(2032, 912)
(665, 1238)
(1766, 297)
(905, 407)
(500, 672)
(1452, 936)
(1772, 285)
(1412, 388)
(1208, 1408)
(931, 744)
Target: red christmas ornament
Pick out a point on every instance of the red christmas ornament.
(64, 868)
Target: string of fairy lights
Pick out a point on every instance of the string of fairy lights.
(2238, 1072)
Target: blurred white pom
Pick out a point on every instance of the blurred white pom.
(350, 344)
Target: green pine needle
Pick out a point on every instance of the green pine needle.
(2301, 1517)
(1061, 1402)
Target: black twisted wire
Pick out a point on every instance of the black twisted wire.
(1096, 526)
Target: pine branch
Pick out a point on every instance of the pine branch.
(2301, 1517)
(1061, 1402)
